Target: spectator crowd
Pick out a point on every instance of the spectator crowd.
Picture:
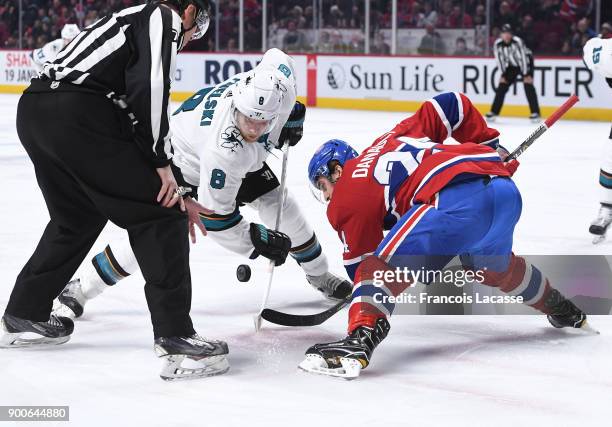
(550, 27)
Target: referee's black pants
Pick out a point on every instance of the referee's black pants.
(511, 75)
(90, 170)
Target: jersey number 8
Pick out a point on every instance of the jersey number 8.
(217, 179)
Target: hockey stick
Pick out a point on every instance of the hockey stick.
(279, 211)
(286, 319)
(559, 112)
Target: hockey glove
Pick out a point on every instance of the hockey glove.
(271, 244)
(294, 128)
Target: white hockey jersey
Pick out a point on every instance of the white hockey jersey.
(47, 53)
(598, 56)
(211, 153)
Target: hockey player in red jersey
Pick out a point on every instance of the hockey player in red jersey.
(438, 201)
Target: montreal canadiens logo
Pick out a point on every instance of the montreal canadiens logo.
(336, 76)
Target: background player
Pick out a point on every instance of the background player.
(438, 201)
(48, 52)
(513, 59)
(222, 137)
(598, 57)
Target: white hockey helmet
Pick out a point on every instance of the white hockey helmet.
(70, 31)
(259, 97)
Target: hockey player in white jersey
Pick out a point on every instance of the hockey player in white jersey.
(598, 57)
(222, 136)
(48, 52)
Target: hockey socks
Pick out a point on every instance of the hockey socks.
(370, 297)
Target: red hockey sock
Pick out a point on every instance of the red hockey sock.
(364, 311)
(522, 278)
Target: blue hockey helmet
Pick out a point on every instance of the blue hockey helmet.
(334, 149)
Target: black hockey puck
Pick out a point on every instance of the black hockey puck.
(243, 273)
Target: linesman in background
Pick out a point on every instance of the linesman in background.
(513, 59)
(95, 125)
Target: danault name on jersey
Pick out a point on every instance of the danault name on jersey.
(363, 167)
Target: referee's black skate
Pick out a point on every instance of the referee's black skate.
(191, 357)
(535, 117)
(17, 332)
(330, 285)
(491, 117)
(565, 314)
(346, 358)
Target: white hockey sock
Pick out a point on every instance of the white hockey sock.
(605, 174)
(107, 268)
(310, 256)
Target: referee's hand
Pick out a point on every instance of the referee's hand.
(168, 197)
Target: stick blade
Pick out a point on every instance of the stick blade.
(257, 322)
(286, 319)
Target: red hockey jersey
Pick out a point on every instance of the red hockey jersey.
(407, 166)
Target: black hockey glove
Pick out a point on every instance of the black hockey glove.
(271, 244)
(294, 128)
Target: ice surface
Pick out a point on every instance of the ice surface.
(476, 370)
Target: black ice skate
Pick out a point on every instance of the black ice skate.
(18, 332)
(565, 314)
(346, 358)
(72, 300)
(191, 357)
(491, 117)
(600, 225)
(535, 118)
(332, 286)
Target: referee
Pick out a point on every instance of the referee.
(513, 59)
(95, 125)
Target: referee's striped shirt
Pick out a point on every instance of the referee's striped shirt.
(129, 56)
(513, 54)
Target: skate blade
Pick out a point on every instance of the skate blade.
(599, 239)
(315, 364)
(257, 319)
(586, 327)
(174, 368)
(15, 340)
